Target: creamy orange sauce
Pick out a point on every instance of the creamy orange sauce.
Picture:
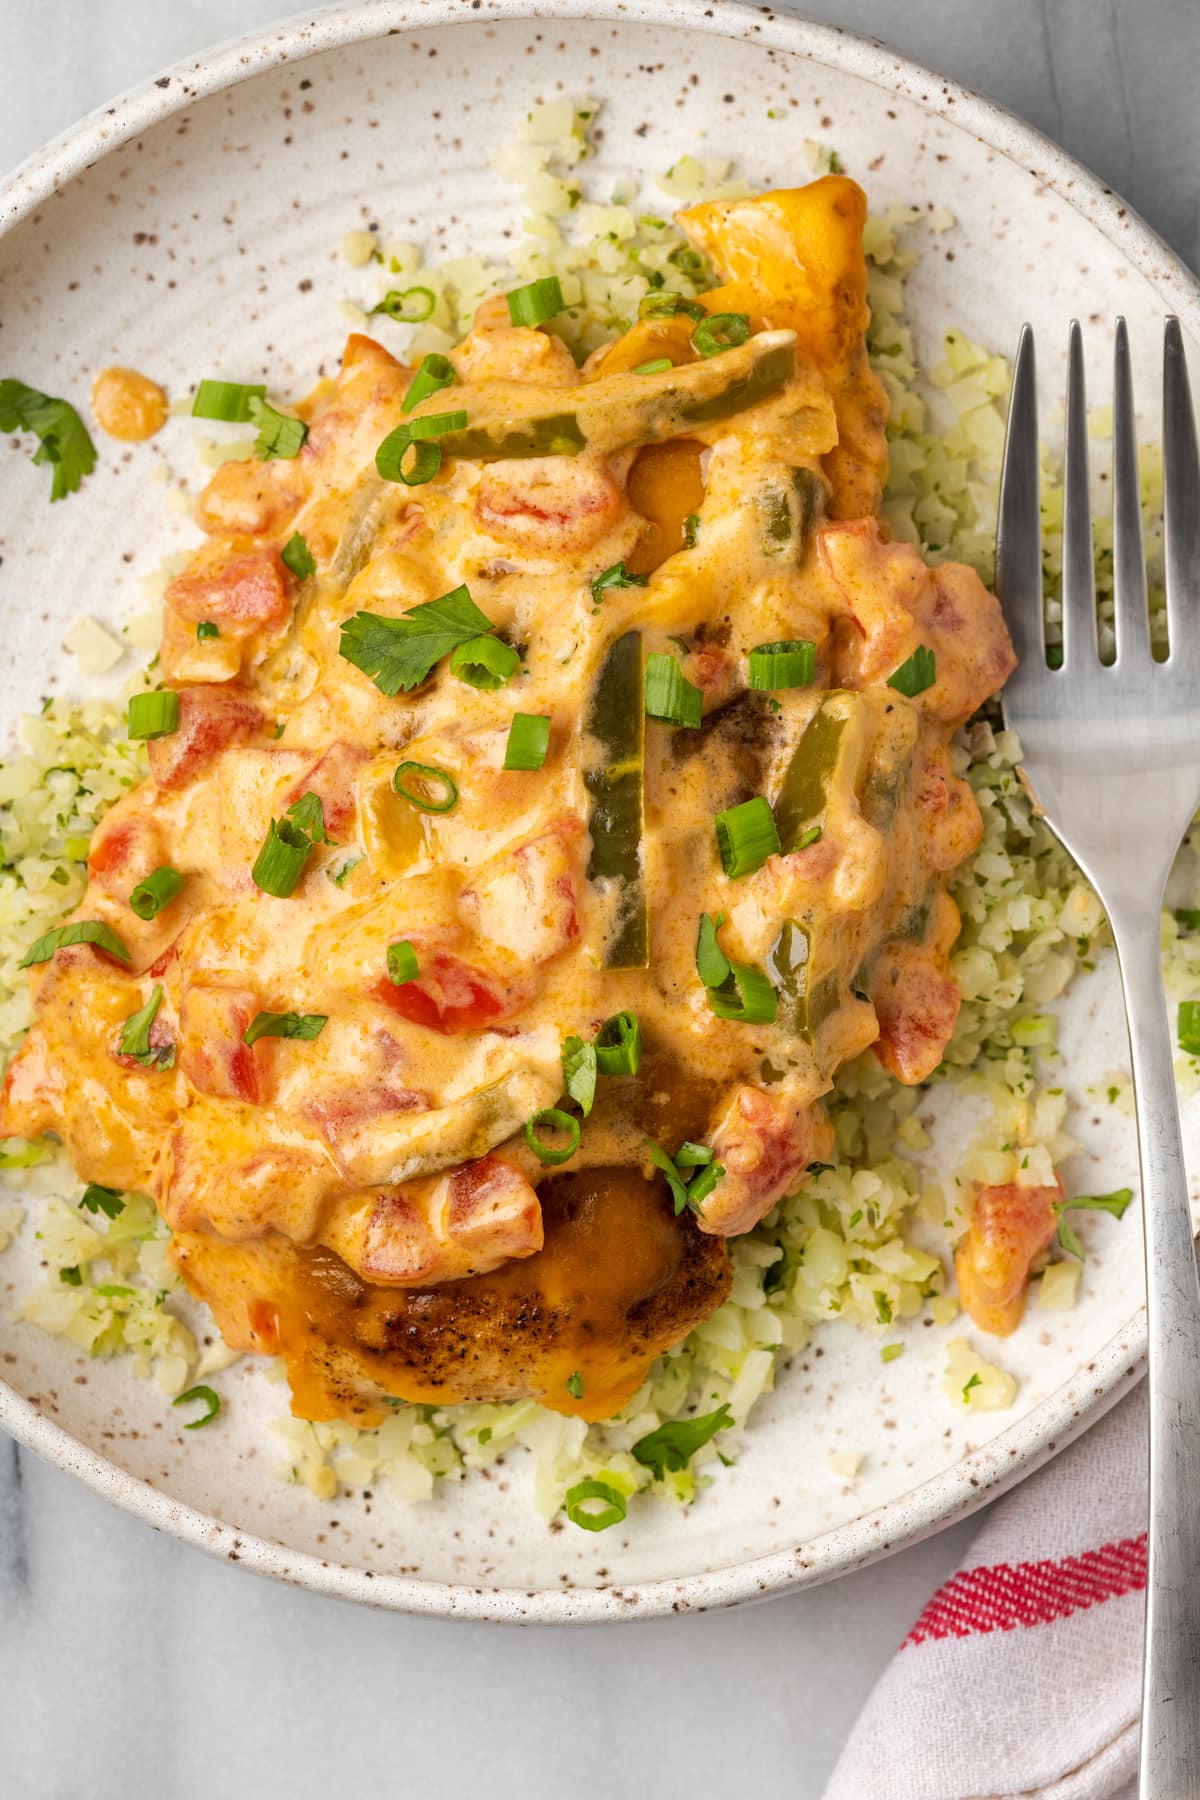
(617, 1274)
(364, 1200)
(128, 406)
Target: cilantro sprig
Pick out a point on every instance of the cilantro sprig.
(62, 436)
(1114, 1203)
(672, 1446)
(400, 653)
(134, 1040)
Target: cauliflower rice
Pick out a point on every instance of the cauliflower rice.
(843, 1248)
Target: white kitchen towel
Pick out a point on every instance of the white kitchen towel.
(1022, 1676)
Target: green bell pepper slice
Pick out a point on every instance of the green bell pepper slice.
(509, 420)
(617, 720)
(828, 749)
(805, 1000)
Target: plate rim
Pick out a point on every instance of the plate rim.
(1062, 1416)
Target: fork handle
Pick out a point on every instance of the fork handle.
(1170, 1749)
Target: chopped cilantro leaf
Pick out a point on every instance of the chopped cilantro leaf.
(63, 440)
(400, 653)
(672, 1446)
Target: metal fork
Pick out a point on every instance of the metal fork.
(1112, 754)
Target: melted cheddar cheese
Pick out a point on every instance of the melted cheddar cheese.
(365, 1202)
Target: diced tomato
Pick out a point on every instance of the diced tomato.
(964, 627)
(1010, 1227)
(449, 996)
(210, 718)
(240, 594)
(331, 779)
(167, 960)
(953, 822)
(126, 846)
(765, 1143)
(526, 902)
(463, 1223)
(341, 1113)
(211, 1052)
(493, 1211)
(876, 585)
(917, 1004)
(552, 504)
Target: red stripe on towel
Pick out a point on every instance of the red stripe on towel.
(1011, 1595)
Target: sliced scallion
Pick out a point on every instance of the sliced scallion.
(153, 715)
(746, 836)
(280, 863)
(720, 331)
(536, 302)
(746, 995)
(580, 1505)
(663, 305)
(735, 990)
(436, 372)
(398, 458)
(420, 437)
(413, 781)
(208, 1398)
(619, 1045)
(693, 1156)
(553, 1119)
(528, 741)
(408, 306)
(1189, 1027)
(712, 964)
(433, 425)
(402, 965)
(702, 1184)
(485, 662)
(664, 1164)
(226, 400)
(158, 890)
(916, 674)
(658, 365)
(207, 629)
(669, 693)
(787, 664)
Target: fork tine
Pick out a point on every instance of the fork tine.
(1019, 526)
(1131, 615)
(1181, 502)
(1078, 557)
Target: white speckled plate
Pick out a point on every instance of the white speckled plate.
(195, 226)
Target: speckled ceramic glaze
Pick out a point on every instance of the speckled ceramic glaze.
(194, 227)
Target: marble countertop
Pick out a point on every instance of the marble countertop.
(130, 1665)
